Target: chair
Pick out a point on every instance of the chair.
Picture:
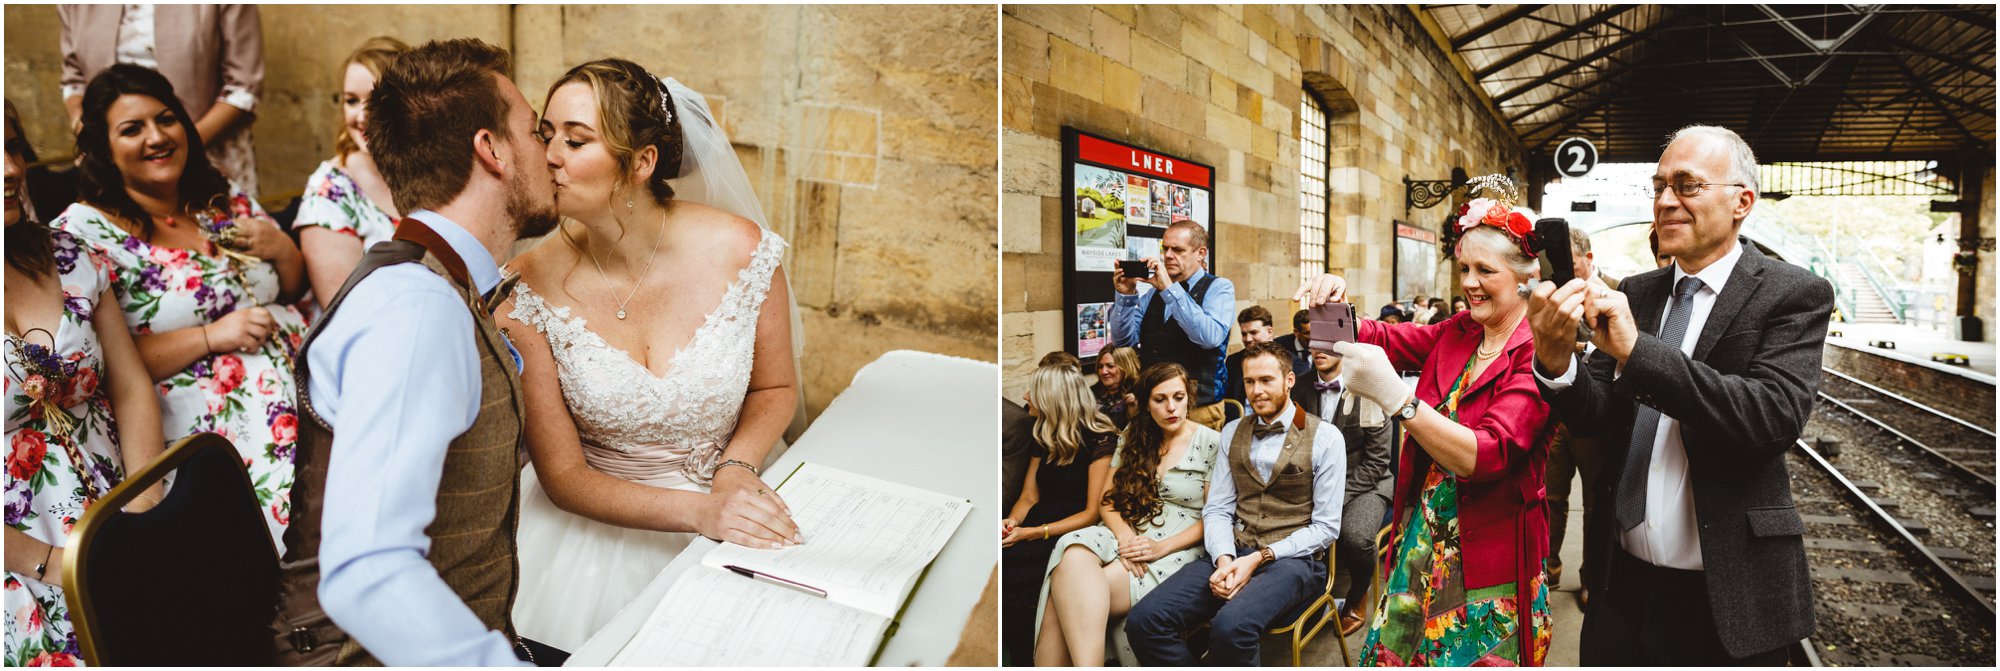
(193, 581)
(1319, 612)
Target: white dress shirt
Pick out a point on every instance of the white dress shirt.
(396, 373)
(1670, 536)
(1329, 400)
(1329, 460)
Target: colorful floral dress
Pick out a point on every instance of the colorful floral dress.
(332, 201)
(52, 476)
(1426, 616)
(248, 398)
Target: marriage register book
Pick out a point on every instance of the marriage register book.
(867, 541)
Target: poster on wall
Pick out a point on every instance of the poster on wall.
(1122, 198)
(1416, 261)
(1100, 218)
(1093, 328)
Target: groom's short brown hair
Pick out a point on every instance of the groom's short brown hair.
(424, 112)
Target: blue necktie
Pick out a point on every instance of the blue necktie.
(1630, 509)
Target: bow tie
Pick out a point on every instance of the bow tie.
(1330, 385)
(1260, 430)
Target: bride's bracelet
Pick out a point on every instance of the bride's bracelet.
(739, 462)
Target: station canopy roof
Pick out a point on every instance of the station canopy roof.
(1799, 82)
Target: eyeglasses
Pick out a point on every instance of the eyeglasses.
(1683, 189)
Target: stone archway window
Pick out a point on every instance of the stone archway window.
(1313, 221)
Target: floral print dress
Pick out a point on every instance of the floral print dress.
(1426, 616)
(52, 475)
(332, 201)
(1183, 491)
(249, 398)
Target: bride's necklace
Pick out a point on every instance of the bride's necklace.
(642, 274)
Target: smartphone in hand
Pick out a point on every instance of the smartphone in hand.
(1332, 323)
(1136, 270)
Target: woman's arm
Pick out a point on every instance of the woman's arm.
(220, 118)
(167, 354)
(24, 552)
(1031, 493)
(133, 402)
(772, 398)
(1508, 427)
(557, 453)
(330, 257)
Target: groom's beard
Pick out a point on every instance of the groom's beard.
(531, 219)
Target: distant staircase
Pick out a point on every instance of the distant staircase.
(1869, 306)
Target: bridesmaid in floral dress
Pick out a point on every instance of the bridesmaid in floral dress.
(64, 449)
(207, 280)
(346, 208)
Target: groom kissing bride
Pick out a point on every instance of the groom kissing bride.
(402, 548)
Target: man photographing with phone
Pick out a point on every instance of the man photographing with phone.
(1181, 314)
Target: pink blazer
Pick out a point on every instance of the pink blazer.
(201, 48)
(1503, 524)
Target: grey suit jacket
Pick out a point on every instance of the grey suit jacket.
(1368, 448)
(1741, 401)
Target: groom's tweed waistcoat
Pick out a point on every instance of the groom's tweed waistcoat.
(478, 499)
(1268, 511)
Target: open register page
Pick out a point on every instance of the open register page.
(867, 542)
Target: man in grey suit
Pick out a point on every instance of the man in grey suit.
(1370, 474)
(1704, 375)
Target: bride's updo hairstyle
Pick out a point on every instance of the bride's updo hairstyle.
(636, 112)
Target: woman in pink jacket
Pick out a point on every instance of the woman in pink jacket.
(1465, 584)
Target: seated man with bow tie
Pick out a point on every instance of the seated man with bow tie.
(1273, 509)
(1365, 429)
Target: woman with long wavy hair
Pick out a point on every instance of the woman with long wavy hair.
(1067, 470)
(1151, 529)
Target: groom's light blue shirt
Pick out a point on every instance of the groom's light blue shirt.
(396, 373)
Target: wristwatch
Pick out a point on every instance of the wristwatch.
(1408, 411)
(738, 462)
(1268, 555)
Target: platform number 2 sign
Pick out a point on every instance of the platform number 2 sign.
(1575, 157)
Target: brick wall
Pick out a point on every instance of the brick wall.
(1222, 85)
(1964, 397)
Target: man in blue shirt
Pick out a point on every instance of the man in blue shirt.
(1179, 314)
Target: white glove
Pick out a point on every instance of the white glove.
(1366, 370)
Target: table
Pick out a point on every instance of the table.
(924, 420)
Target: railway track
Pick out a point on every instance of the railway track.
(1961, 445)
(1884, 596)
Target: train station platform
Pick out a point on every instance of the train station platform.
(1916, 345)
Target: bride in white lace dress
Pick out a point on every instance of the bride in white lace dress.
(663, 374)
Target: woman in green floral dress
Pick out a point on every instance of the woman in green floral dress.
(206, 279)
(1464, 584)
(69, 366)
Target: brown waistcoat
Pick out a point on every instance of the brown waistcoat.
(478, 499)
(1267, 512)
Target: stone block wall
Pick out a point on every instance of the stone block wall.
(867, 133)
(1222, 85)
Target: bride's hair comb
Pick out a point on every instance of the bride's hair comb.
(666, 101)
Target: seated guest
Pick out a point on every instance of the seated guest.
(1067, 469)
(1659, 260)
(1016, 440)
(1273, 508)
(1419, 310)
(1295, 344)
(1061, 358)
(1117, 369)
(346, 207)
(1255, 324)
(1391, 314)
(1459, 305)
(84, 417)
(1365, 428)
(207, 280)
(1151, 529)
(1440, 311)
(1465, 585)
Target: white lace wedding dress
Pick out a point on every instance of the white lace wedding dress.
(576, 573)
